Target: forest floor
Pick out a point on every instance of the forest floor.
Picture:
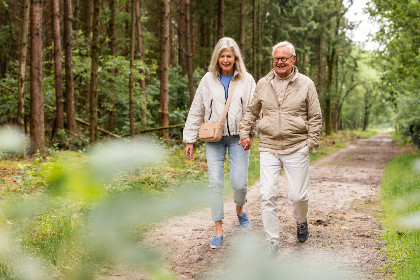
(344, 207)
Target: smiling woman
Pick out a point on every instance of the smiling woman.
(226, 62)
(226, 81)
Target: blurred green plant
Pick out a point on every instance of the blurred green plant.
(75, 226)
(400, 195)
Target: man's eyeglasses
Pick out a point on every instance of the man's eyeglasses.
(282, 59)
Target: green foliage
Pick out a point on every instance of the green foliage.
(399, 194)
(400, 34)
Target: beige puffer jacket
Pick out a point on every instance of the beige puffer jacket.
(287, 129)
(209, 103)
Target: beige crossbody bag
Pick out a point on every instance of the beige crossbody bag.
(213, 131)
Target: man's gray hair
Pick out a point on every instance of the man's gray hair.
(227, 43)
(284, 44)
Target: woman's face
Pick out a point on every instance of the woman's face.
(226, 62)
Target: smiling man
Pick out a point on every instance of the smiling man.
(290, 126)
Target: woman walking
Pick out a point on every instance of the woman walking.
(226, 68)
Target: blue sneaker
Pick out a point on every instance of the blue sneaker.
(216, 242)
(243, 220)
(302, 231)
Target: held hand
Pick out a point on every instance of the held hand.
(189, 151)
(246, 143)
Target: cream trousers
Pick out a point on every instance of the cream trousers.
(296, 167)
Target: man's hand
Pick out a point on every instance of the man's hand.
(189, 148)
(246, 143)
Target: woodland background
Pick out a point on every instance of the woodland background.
(73, 71)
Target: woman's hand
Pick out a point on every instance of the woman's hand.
(246, 143)
(189, 148)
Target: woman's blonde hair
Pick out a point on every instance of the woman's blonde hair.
(223, 44)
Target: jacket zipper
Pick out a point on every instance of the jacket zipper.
(227, 114)
(211, 109)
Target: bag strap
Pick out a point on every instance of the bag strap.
(230, 94)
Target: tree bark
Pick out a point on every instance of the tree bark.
(141, 52)
(37, 100)
(242, 17)
(164, 71)
(254, 38)
(221, 20)
(58, 69)
(93, 93)
(130, 86)
(182, 58)
(68, 42)
(319, 68)
(113, 35)
(22, 64)
(189, 51)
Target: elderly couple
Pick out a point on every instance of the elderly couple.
(286, 105)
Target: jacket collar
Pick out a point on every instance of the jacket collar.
(235, 73)
(272, 74)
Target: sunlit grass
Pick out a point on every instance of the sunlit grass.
(402, 244)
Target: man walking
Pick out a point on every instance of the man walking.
(289, 127)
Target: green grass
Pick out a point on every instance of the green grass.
(402, 245)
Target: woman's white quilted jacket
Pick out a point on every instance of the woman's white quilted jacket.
(209, 103)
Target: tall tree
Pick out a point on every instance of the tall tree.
(221, 20)
(141, 52)
(334, 25)
(37, 99)
(131, 83)
(254, 38)
(58, 69)
(113, 46)
(242, 16)
(181, 36)
(164, 68)
(68, 61)
(93, 92)
(22, 63)
(189, 50)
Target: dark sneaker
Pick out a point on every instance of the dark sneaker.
(272, 248)
(216, 242)
(302, 231)
(243, 220)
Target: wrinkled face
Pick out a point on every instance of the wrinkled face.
(226, 62)
(283, 65)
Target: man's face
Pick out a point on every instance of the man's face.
(283, 68)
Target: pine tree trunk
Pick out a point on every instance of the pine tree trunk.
(130, 86)
(58, 69)
(254, 39)
(93, 93)
(181, 36)
(75, 14)
(319, 68)
(113, 35)
(164, 71)
(242, 17)
(221, 20)
(189, 51)
(258, 68)
(22, 64)
(68, 42)
(37, 100)
(141, 52)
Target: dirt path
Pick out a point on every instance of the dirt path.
(344, 200)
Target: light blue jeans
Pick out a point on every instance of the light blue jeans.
(239, 159)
